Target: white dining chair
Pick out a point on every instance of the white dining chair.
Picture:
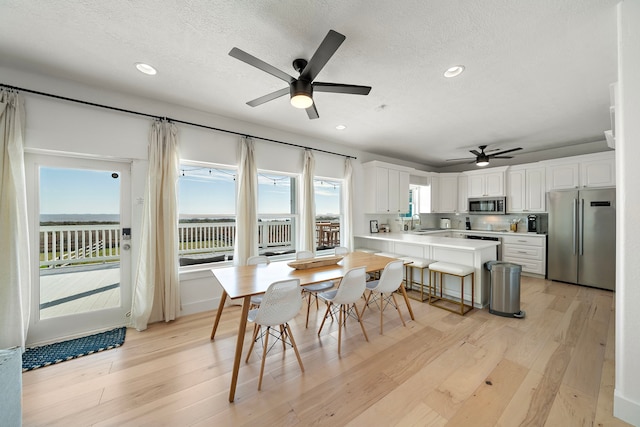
(280, 304)
(311, 292)
(342, 301)
(257, 260)
(382, 291)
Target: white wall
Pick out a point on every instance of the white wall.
(627, 386)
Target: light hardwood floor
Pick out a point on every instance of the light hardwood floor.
(553, 368)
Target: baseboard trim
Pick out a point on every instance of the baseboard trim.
(625, 409)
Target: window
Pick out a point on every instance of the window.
(206, 208)
(277, 215)
(328, 212)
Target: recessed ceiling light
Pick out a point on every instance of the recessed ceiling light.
(454, 71)
(341, 127)
(146, 68)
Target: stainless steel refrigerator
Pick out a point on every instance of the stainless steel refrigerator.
(582, 237)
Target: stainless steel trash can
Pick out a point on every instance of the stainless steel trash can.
(505, 289)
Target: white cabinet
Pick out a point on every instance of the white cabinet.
(448, 200)
(387, 188)
(527, 251)
(563, 176)
(590, 170)
(463, 205)
(598, 172)
(526, 189)
(486, 183)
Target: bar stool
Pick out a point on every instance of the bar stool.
(421, 264)
(439, 269)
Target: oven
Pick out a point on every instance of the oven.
(496, 239)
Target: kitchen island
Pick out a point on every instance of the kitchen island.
(474, 253)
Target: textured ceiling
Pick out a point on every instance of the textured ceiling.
(537, 72)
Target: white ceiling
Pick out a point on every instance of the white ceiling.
(537, 71)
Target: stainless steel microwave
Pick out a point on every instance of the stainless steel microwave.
(488, 205)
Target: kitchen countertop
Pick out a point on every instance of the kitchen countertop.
(432, 240)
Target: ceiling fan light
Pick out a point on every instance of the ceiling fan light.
(301, 92)
(482, 163)
(301, 101)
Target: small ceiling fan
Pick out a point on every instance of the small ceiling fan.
(482, 159)
(301, 89)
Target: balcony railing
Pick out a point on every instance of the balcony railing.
(66, 245)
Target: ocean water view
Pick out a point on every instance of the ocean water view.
(79, 218)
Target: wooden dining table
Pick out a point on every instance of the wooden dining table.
(243, 282)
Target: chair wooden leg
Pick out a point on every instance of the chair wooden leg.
(381, 311)
(293, 344)
(398, 309)
(360, 321)
(264, 357)
(340, 328)
(282, 338)
(253, 341)
(366, 302)
(325, 317)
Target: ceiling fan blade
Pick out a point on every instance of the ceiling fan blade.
(501, 157)
(504, 152)
(341, 88)
(475, 152)
(458, 160)
(325, 51)
(260, 64)
(268, 97)
(312, 112)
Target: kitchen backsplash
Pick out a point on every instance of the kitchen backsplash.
(478, 222)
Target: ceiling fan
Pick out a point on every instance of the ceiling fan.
(482, 159)
(301, 89)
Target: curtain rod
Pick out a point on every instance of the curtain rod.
(122, 110)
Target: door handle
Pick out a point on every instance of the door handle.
(581, 227)
(574, 225)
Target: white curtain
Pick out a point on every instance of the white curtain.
(347, 200)
(246, 243)
(308, 208)
(15, 280)
(157, 288)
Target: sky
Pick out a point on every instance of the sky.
(77, 191)
(202, 191)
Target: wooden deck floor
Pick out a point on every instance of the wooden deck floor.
(79, 290)
(553, 368)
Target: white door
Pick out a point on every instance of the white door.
(79, 216)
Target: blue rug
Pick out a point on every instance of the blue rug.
(37, 357)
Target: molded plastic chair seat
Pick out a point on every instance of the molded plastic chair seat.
(382, 290)
(280, 304)
(312, 290)
(343, 301)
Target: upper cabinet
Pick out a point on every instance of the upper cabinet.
(489, 182)
(448, 200)
(463, 181)
(526, 189)
(387, 188)
(591, 170)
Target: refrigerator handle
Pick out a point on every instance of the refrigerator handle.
(574, 224)
(581, 227)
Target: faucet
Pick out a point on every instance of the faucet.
(414, 216)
